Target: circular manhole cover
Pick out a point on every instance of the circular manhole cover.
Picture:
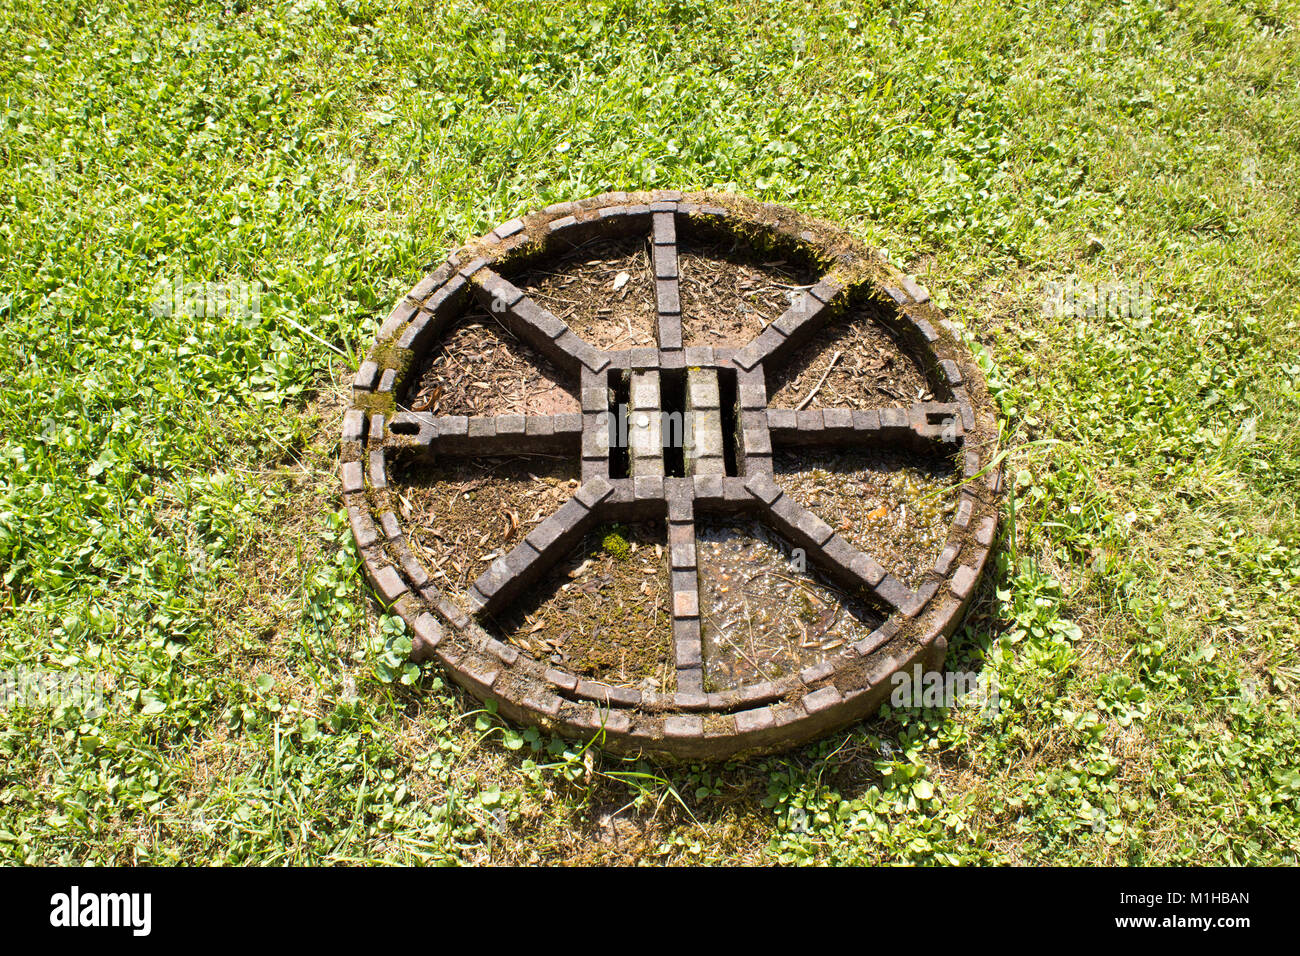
(694, 472)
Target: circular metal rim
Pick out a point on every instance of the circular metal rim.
(693, 724)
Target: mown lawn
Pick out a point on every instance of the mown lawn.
(168, 502)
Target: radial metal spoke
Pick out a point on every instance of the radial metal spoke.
(487, 435)
(546, 544)
(926, 421)
(534, 324)
(683, 573)
(668, 296)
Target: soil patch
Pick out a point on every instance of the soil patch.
(729, 296)
(602, 611)
(761, 618)
(871, 369)
(480, 368)
(461, 514)
(894, 506)
(604, 290)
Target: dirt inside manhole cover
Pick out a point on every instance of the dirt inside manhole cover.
(689, 473)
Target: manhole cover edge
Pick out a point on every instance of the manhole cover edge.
(691, 725)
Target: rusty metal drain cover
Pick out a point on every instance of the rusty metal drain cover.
(689, 471)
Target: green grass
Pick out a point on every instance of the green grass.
(168, 505)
